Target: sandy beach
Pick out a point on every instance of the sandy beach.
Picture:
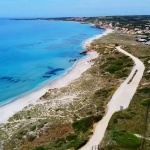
(90, 40)
(81, 66)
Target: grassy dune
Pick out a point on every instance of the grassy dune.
(123, 126)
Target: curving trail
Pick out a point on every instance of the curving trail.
(122, 97)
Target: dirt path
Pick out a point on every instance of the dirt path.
(122, 97)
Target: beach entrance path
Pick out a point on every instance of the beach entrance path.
(119, 101)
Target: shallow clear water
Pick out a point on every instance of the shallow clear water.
(33, 53)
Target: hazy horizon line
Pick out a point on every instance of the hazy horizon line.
(73, 16)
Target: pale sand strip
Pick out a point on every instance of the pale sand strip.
(90, 40)
(10, 109)
(81, 66)
(122, 97)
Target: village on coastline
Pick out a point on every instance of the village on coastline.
(132, 25)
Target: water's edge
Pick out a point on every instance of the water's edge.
(18, 77)
(9, 109)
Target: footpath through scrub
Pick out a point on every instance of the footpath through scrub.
(120, 100)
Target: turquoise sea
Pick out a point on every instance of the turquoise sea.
(34, 52)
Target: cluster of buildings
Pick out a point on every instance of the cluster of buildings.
(143, 35)
(140, 29)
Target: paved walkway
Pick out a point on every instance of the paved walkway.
(122, 97)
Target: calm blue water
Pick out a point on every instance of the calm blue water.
(33, 53)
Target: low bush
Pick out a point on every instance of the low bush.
(33, 128)
(31, 138)
(60, 142)
(71, 137)
(147, 76)
(144, 90)
(126, 139)
(39, 148)
(78, 143)
(113, 68)
(86, 123)
(102, 92)
(145, 102)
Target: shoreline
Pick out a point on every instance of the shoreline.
(9, 109)
(90, 40)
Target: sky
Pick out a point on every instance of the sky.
(75, 8)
